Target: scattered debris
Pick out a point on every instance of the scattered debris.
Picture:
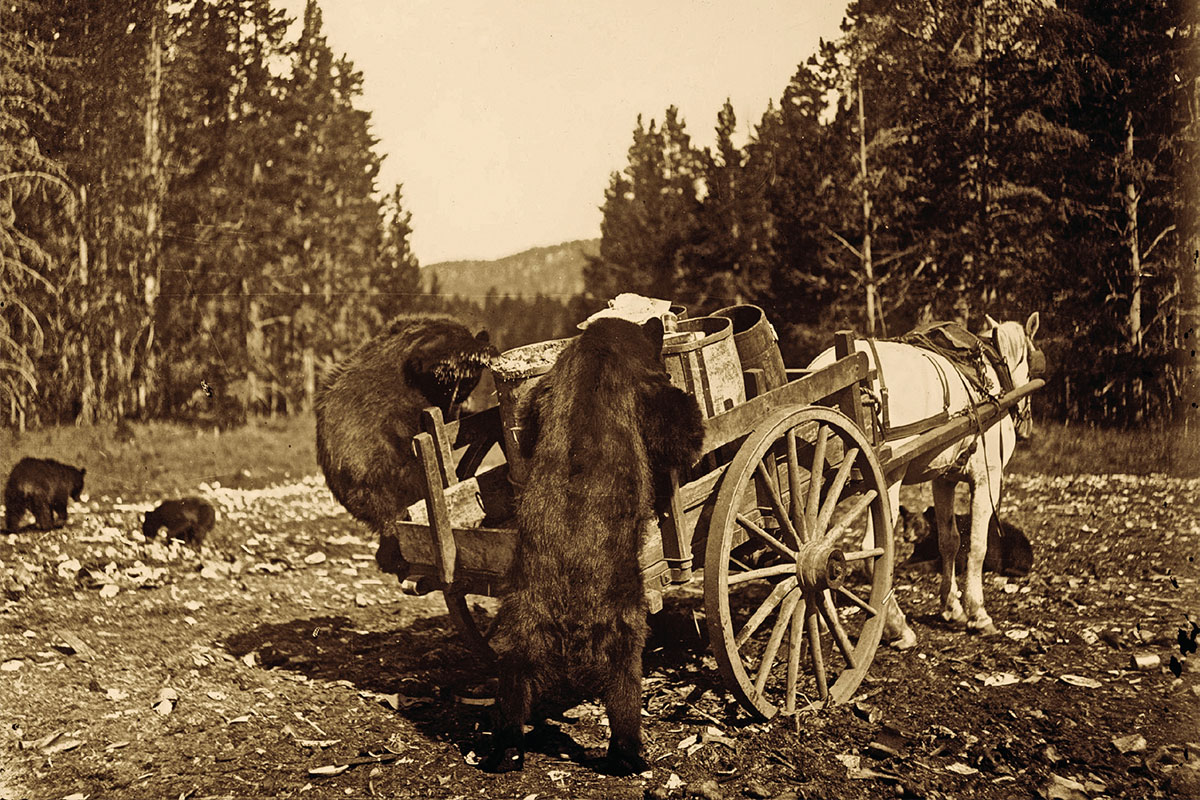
(1133, 743)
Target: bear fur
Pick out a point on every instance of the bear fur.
(1008, 549)
(42, 486)
(370, 408)
(188, 519)
(602, 431)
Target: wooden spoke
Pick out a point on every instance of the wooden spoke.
(853, 514)
(835, 490)
(767, 538)
(829, 611)
(793, 469)
(761, 572)
(859, 555)
(816, 476)
(814, 651)
(763, 611)
(737, 562)
(772, 649)
(856, 600)
(795, 651)
(781, 515)
(754, 602)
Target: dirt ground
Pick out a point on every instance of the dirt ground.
(279, 662)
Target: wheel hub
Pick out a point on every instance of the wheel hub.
(820, 567)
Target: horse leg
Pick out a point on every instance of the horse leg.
(985, 494)
(948, 543)
(896, 630)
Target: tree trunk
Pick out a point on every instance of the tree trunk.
(155, 193)
(309, 368)
(254, 346)
(1132, 196)
(867, 265)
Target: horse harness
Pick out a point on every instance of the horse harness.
(970, 354)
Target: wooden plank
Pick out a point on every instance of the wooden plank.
(988, 413)
(442, 535)
(812, 388)
(478, 551)
(431, 423)
(463, 503)
(676, 542)
(849, 399)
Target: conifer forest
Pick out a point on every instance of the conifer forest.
(192, 226)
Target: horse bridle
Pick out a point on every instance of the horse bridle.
(1036, 361)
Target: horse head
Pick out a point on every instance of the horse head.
(1023, 359)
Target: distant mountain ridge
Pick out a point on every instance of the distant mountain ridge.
(555, 271)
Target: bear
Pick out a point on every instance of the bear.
(188, 519)
(41, 485)
(1009, 552)
(370, 408)
(602, 432)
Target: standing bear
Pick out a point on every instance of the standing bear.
(41, 486)
(602, 431)
(370, 408)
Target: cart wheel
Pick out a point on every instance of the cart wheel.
(793, 595)
(475, 617)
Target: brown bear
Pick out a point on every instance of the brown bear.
(602, 431)
(370, 408)
(41, 486)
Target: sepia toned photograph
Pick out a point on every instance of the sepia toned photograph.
(544, 400)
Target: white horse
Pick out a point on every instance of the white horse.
(921, 385)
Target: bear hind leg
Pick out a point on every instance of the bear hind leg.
(623, 702)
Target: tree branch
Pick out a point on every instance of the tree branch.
(842, 241)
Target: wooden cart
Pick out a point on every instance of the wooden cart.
(774, 514)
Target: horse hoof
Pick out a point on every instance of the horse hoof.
(956, 619)
(905, 641)
(985, 629)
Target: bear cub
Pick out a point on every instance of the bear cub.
(41, 486)
(602, 430)
(1009, 552)
(188, 519)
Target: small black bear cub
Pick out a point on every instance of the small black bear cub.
(370, 408)
(602, 431)
(1008, 549)
(188, 519)
(42, 486)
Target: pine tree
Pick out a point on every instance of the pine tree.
(650, 214)
(34, 197)
(396, 281)
(730, 261)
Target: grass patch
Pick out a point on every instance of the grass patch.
(164, 458)
(1064, 449)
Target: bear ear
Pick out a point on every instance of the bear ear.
(483, 338)
(82, 471)
(653, 328)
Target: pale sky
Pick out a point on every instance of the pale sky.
(503, 119)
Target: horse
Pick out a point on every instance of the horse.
(922, 385)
